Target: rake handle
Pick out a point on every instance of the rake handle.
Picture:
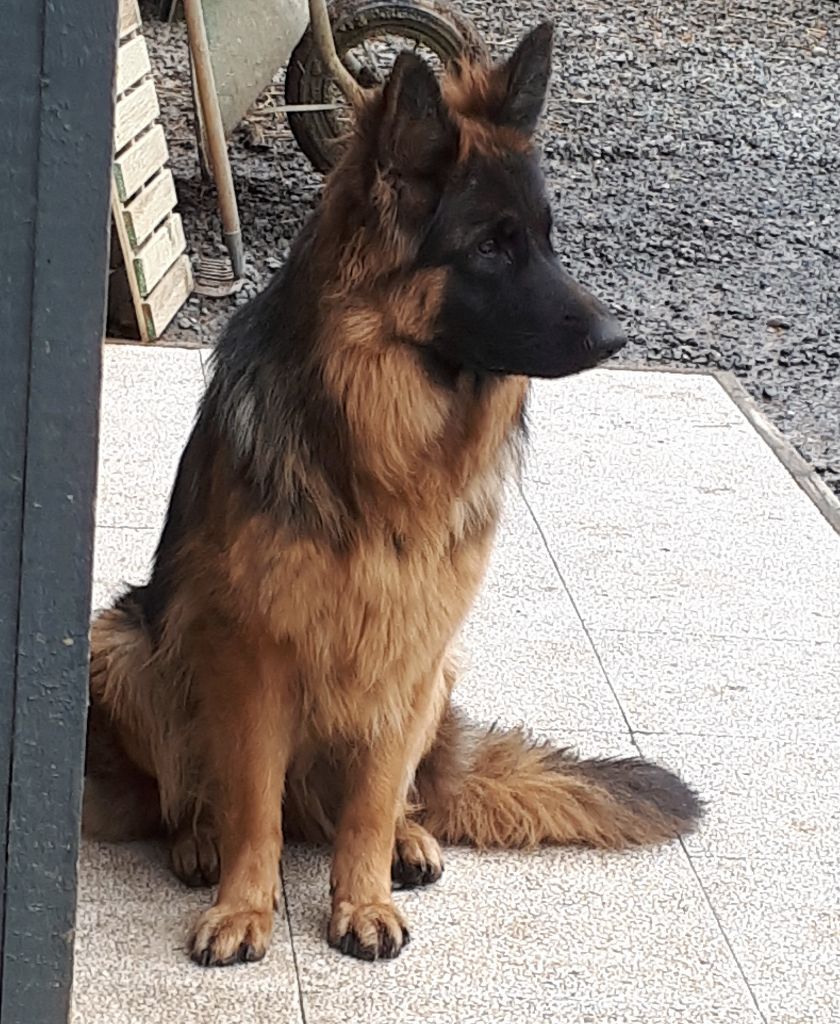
(211, 115)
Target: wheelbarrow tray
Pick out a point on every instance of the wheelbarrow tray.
(250, 41)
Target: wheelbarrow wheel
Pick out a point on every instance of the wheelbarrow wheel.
(368, 35)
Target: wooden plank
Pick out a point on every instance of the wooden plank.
(135, 111)
(149, 207)
(140, 162)
(165, 301)
(132, 63)
(125, 246)
(158, 253)
(129, 17)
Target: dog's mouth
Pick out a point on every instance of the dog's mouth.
(560, 329)
(573, 332)
(565, 352)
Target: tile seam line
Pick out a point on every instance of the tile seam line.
(128, 527)
(295, 962)
(578, 613)
(205, 368)
(746, 736)
(727, 942)
(157, 346)
(677, 634)
(723, 933)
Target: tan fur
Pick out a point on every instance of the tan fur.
(142, 698)
(315, 671)
(473, 90)
(350, 658)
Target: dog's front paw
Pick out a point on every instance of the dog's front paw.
(417, 857)
(369, 931)
(222, 937)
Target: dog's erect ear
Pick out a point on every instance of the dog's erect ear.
(527, 72)
(417, 136)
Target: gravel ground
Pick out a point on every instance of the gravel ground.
(693, 149)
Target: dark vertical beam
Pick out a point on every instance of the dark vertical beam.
(20, 71)
(56, 114)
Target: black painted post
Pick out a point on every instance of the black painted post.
(57, 60)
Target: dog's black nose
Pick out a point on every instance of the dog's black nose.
(606, 337)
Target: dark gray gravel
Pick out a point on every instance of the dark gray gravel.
(693, 149)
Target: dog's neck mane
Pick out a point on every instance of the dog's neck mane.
(329, 405)
(336, 420)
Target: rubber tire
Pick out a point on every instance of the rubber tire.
(430, 22)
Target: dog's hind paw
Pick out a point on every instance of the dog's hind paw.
(417, 858)
(194, 856)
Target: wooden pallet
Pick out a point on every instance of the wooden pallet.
(143, 198)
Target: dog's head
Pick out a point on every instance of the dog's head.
(456, 225)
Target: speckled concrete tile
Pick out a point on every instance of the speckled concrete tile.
(647, 427)
(149, 402)
(131, 967)
(764, 590)
(553, 936)
(526, 656)
(670, 513)
(720, 685)
(767, 798)
(783, 926)
(120, 557)
(667, 513)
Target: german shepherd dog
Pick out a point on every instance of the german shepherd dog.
(329, 526)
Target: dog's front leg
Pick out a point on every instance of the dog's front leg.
(247, 731)
(365, 922)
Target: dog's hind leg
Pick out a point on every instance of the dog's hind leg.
(121, 803)
(121, 798)
(247, 725)
(194, 852)
(417, 858)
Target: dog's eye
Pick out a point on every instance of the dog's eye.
(489, 247)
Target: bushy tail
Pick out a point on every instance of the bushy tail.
(499, 788)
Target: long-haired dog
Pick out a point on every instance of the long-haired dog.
(287, 669)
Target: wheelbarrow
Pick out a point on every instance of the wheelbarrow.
(347, 46)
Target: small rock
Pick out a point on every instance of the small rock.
(778, 321)
(770, 392)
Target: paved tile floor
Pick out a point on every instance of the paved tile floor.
(661, 582)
